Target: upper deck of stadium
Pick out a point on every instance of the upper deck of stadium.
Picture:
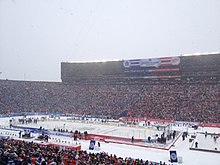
(200, 66)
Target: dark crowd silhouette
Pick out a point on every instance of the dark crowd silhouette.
(15, 152)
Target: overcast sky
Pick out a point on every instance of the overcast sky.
(37, 35)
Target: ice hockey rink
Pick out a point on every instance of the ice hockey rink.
(184, 148)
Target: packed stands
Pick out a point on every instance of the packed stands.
(180, 96)
(18, 152)
(178, 101)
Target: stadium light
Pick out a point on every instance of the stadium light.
(198, 53)
(93, 61)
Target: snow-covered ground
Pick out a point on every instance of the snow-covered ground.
(189, 157)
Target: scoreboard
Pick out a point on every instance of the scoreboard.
(151, 68)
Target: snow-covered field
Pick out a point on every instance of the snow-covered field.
(189, 157)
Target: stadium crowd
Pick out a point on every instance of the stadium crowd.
(181, 101)
(15, 152)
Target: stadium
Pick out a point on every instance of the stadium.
(136, 111)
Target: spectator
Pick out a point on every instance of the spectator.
(21, 152)
(180, 100)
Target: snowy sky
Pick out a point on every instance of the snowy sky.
(37, 35)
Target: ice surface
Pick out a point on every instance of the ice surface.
(189, 157)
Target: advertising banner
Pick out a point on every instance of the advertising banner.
(152, 62)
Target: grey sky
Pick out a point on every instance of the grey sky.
(37, 35)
